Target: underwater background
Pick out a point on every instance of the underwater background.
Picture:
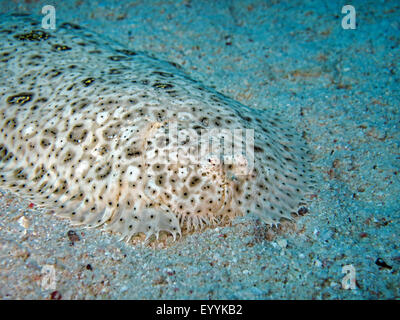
(338, 86)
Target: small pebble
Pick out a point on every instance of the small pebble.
(55, 295)
(381, 263)
(24, 222)
(317, 263)
(73, 237)
(282, 243)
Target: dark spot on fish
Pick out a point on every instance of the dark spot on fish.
(44, 143)
(175, 65)
(258, 149)
(132, 153)
(118, 58)
(54, 73)
(162, 85)
(103, 171)
(34, 35)
(11, 123)
(60, 47)
(87, 82)
(36, 57)
(78, 134)
(164, 74)
(19, 174)
(115, 71)
(68, 25)
(127, 52)
(20, 98)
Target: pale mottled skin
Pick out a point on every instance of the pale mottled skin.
(83, 125)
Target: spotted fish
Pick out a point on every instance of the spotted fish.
(113, 138)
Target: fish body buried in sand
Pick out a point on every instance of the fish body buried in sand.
(109, 137)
